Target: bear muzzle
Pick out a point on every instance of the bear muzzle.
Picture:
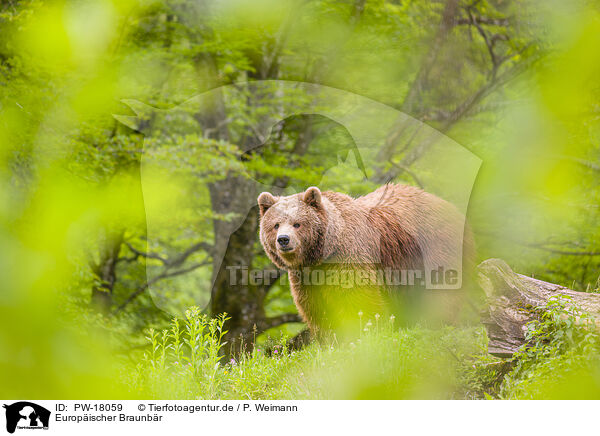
(284, 244)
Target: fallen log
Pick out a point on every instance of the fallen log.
(512, 300)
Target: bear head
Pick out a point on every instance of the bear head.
(293, 228)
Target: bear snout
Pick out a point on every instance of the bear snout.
(283, 241)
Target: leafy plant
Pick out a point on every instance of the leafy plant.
(192, 351)
(562, 351)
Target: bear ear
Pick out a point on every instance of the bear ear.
(312, 196)
(265, 201)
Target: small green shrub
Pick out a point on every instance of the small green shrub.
(189, 351)
(561, 358)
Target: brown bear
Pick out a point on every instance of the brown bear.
(348, 256)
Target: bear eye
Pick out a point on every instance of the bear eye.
(276, 226)
(296, 225)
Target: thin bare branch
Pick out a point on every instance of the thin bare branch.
(276, 321)
(137, 253)
(165, 274)
(502, 22)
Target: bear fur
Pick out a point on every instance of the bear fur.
(330, 235)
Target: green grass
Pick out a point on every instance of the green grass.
(385, 362)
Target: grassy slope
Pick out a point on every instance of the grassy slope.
(386, 362)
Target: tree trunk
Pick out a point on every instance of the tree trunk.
(242, 301)
(511, 302)
(105, 271)
(420, 82)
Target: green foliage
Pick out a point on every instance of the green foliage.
(562, 357)
(71, 195)
(384, 362)
(190, 352)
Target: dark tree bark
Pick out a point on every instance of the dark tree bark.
(447, 22)
(105, 271)
(512, 302)
(241, 301)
